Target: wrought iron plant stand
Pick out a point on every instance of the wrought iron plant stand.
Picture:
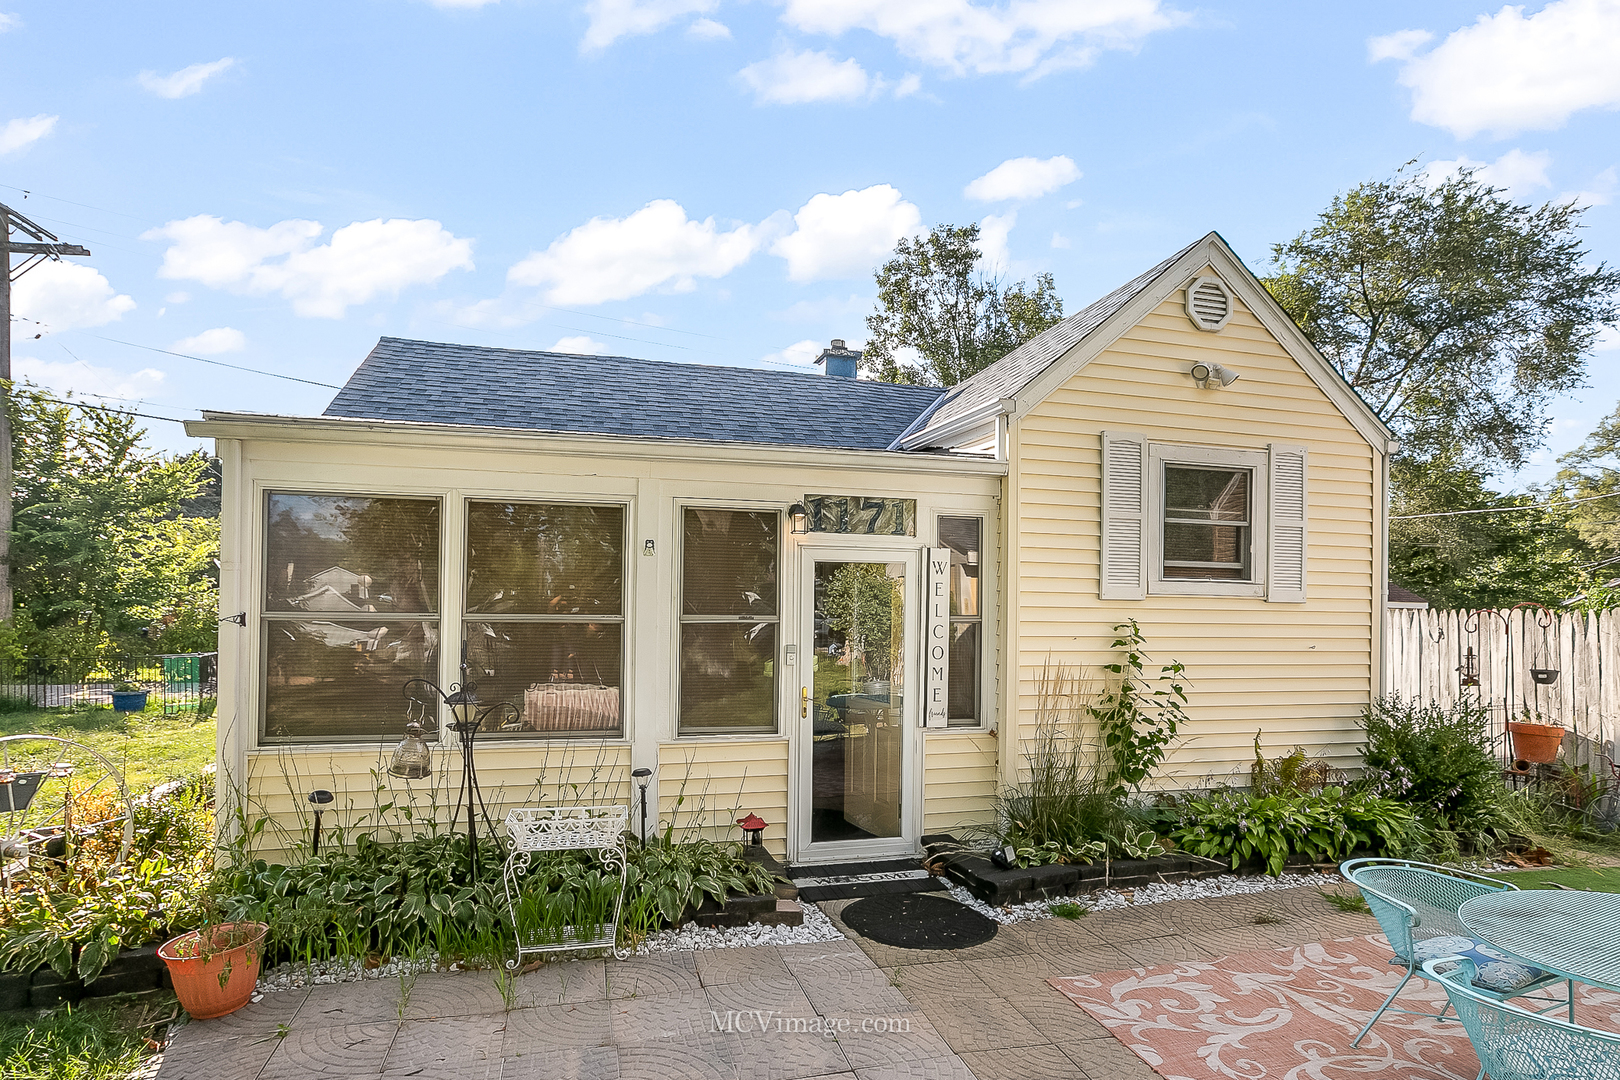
(532, 830)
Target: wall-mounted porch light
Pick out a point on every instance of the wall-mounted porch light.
(1204, 374)
(799, 519)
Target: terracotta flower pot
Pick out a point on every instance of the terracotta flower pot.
(1535, 743)
(215, 969)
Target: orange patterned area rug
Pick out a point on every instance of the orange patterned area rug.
(1290, 1013)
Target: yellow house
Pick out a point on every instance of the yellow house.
(815, 598)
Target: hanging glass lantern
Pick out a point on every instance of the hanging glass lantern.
(463, 705)
(413, 757)
(1469, 668)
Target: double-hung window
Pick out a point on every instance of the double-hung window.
(350, 612)
(730, 613)
(544, 615)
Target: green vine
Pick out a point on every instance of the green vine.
(1138, 716)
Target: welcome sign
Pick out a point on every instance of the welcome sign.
(937, 638)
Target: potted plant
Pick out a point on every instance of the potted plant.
(1534, 743)
(216, 968)
(127, 697)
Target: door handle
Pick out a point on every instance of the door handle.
(804, 702)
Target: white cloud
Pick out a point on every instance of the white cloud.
(1508, 73)
(186, 81)
(579, 344)
(221, 339)
(1600, 192)
(1023, 178)
(179, 297)
(617, 258)
(1400, 45)
(611, 20)
(1061, 242)
(799, 354)
(709, 30)
(63, 296)
(24, 132)
(791, 78)
(1035, 36)
(87, 380)
(359, 263)
(1520, 173)
(9, 22)
(993, 232)
(846, 235)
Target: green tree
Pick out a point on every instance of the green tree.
(1456, 313)
(940, 319)
(1588, 472)
(102, 555)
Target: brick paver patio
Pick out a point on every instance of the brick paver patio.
(984, 1012)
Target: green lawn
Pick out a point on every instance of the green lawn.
(149, 747)
(1606, 879)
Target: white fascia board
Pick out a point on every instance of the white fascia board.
(968, 421)
(332, 429)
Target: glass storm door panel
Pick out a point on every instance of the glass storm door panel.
(856, 701)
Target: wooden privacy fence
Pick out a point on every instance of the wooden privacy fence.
(1426, 653)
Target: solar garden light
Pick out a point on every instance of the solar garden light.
(753, 826)
(412, 758)
(641, 774)
(318, 798)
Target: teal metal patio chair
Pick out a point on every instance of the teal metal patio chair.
(1515, 1044)
(1416, 905)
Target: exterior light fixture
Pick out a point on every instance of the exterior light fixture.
(318, 798)
(1206, 374)
(754, 826)
(799, 519)
(641, 774)
(1469, 668)
(413, 757)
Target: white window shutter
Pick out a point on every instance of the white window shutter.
(1285, 578)
(1123, 574)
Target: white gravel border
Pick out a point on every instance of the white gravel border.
(1157, 893)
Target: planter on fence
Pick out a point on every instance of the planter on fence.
(215, 969)
(1535, 744)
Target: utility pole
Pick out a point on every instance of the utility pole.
(43, 245)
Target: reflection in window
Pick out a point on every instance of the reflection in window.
(544, 628)
(350, 612)
(1207, 523)
(729, 619)
(962, 536)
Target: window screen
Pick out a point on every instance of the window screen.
(729, 621)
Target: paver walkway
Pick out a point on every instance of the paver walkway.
(984, 1012)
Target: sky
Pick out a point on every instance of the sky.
(275, 185)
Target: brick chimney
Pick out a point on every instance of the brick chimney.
(839, 359)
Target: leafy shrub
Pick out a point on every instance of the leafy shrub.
(1138, 717)
(1323, 827)
(1437, 760)
(1291, 774)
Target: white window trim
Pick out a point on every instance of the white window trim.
(987, 661)
(1258, 462)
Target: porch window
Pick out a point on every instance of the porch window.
(963, 536)
(350, 612)
(544, 623)
(729, 619)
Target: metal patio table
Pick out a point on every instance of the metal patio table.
(1572, 934)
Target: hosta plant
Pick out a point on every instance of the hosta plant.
(1323, 827)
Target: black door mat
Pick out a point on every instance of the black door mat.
(918, 921)
(849, 881)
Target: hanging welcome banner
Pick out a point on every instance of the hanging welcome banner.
(937, 638)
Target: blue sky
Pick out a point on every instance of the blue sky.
(276, 185)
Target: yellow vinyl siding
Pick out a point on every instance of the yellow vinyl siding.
(704, 787)
(1301, 672)
(368, 800)
(959, 780)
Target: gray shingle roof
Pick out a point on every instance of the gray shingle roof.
(1013, 372)
(428, 382)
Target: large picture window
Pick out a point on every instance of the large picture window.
(729, 619)
(963, 535)
(544, 614)
(351, 611)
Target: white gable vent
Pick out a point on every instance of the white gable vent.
(1209, 303)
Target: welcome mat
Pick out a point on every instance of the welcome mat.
(918, 921)
(1291, 1013)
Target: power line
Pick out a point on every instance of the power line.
(1504, 509)
(104, 408)
(216, 363)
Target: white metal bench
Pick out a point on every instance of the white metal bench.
(532, 830)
